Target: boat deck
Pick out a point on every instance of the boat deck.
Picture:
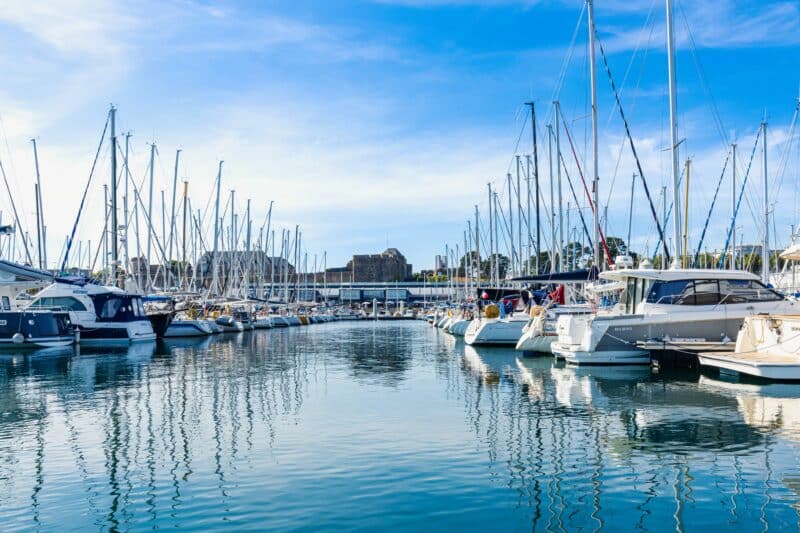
(754, 358)
(760, 364)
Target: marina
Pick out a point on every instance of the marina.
(400, 265)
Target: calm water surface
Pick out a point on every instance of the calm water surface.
(391, 425)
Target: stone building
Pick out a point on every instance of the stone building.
(387, 266)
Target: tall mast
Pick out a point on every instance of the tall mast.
(595, 170)
(558, 178)
(536, 182)
(150, 213)
(232, 246)
(497, 245)
(630, 217)
(183, 234)
(673, 135)
(733, 207)
(39, 216)
(296, 259)
(125, 214)
(172, 209)
(510, 224)
(248, 237)
(765, 244)
(105, 230)
(214, 280)
(553, 261)
(114, 237)
(477, 248)
(686, 213)
(491, 236)
(519, 219)
(266, 246)
(528, 193)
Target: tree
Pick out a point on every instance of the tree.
(502, 262)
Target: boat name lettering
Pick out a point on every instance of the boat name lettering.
(623, 328)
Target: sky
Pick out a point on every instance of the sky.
(379, 123)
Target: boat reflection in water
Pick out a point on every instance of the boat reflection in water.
(366, 424)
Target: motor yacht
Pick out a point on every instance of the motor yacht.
(670, 310)
(23, 326)
(101, 314)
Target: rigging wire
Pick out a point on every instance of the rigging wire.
(83, 198)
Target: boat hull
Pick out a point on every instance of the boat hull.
(188, 328)
(494, 332)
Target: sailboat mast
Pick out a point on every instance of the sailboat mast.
(477, 247)
(510, 225)
(172, 208)
(114, 237)
(150, 213)
(519, 218)
(528, 193)
(497, 245)
(595, 170)
(491, 236)
(536, 183)
(125, 213)
(558, 178)
(183, 235)
(765, 244)
(733, 207)
(673, 134)
(553, 256)
(39, 217)
(214, 279)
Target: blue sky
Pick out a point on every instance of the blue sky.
(375, 122)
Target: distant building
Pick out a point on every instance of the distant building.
(160, 275)
(238, 264)
(387, 266)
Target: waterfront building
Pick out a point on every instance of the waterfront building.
(386, 266)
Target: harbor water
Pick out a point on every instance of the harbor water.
(373, 425)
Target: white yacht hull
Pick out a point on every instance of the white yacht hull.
(188, 328)
(495, 331)
(459, 327)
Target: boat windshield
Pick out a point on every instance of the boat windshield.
(118, 307)
(710, 292)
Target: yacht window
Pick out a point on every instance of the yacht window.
(706, 292)
(110, 308)
(59, 302)
(666, 292)
(737, 291)
(6, 303)
(138, 310)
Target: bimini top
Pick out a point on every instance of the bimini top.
(677, 274)
(792, 253)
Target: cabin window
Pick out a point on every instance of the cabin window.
(738, 291)
(110, 308)
(138, 310)
(635, 292)
(667, 292)
(700, 292)
(60, 302)
(6, 303)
